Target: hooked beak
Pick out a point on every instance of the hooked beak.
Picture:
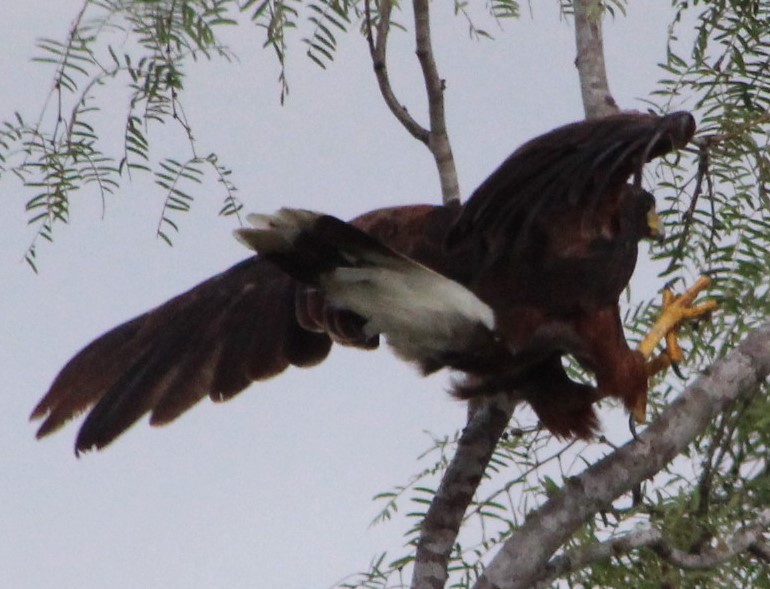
(655, 225)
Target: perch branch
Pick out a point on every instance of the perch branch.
(442, 522)
(521, 560)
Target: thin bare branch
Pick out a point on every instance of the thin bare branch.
(378, 48)
(442, 522)
(734, 132)
(439, 139)
(595, 90)
(702, 174)
(522, 559)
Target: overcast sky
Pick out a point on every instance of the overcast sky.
(273, 488)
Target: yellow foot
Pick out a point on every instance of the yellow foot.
(676, 310)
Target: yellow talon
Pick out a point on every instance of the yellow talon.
(676, 310)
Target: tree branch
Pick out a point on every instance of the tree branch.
(445, 514)
(378, 49)
(521, 560)
(595, 90)
(746, 539)
(587, 555)
(439, 139)
(436, 138)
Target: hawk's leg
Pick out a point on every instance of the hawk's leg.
(676, 310)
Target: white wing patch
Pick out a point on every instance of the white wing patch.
(421, 313)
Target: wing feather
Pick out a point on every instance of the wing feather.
(572, 169)
(212, 340)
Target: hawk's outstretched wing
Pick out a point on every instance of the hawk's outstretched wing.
(214, 339)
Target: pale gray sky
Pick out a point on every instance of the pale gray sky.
(273, 488)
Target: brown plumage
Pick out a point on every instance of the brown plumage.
(532, 266)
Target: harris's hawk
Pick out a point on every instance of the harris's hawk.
(529, 270)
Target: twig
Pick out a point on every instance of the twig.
(595, 90)
(701, 174)
(520, 561)
(442, 522)
(74, 28)
(735, 132)
(436, 137)
(581, 558)
(719, 447)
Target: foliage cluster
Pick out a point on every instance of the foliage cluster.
(147, 47)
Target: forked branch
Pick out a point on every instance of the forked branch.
(436, 137)
(378, 49)
(439, 139)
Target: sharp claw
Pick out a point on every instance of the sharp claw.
(678, 371)
(632, 427)
(673, 349)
